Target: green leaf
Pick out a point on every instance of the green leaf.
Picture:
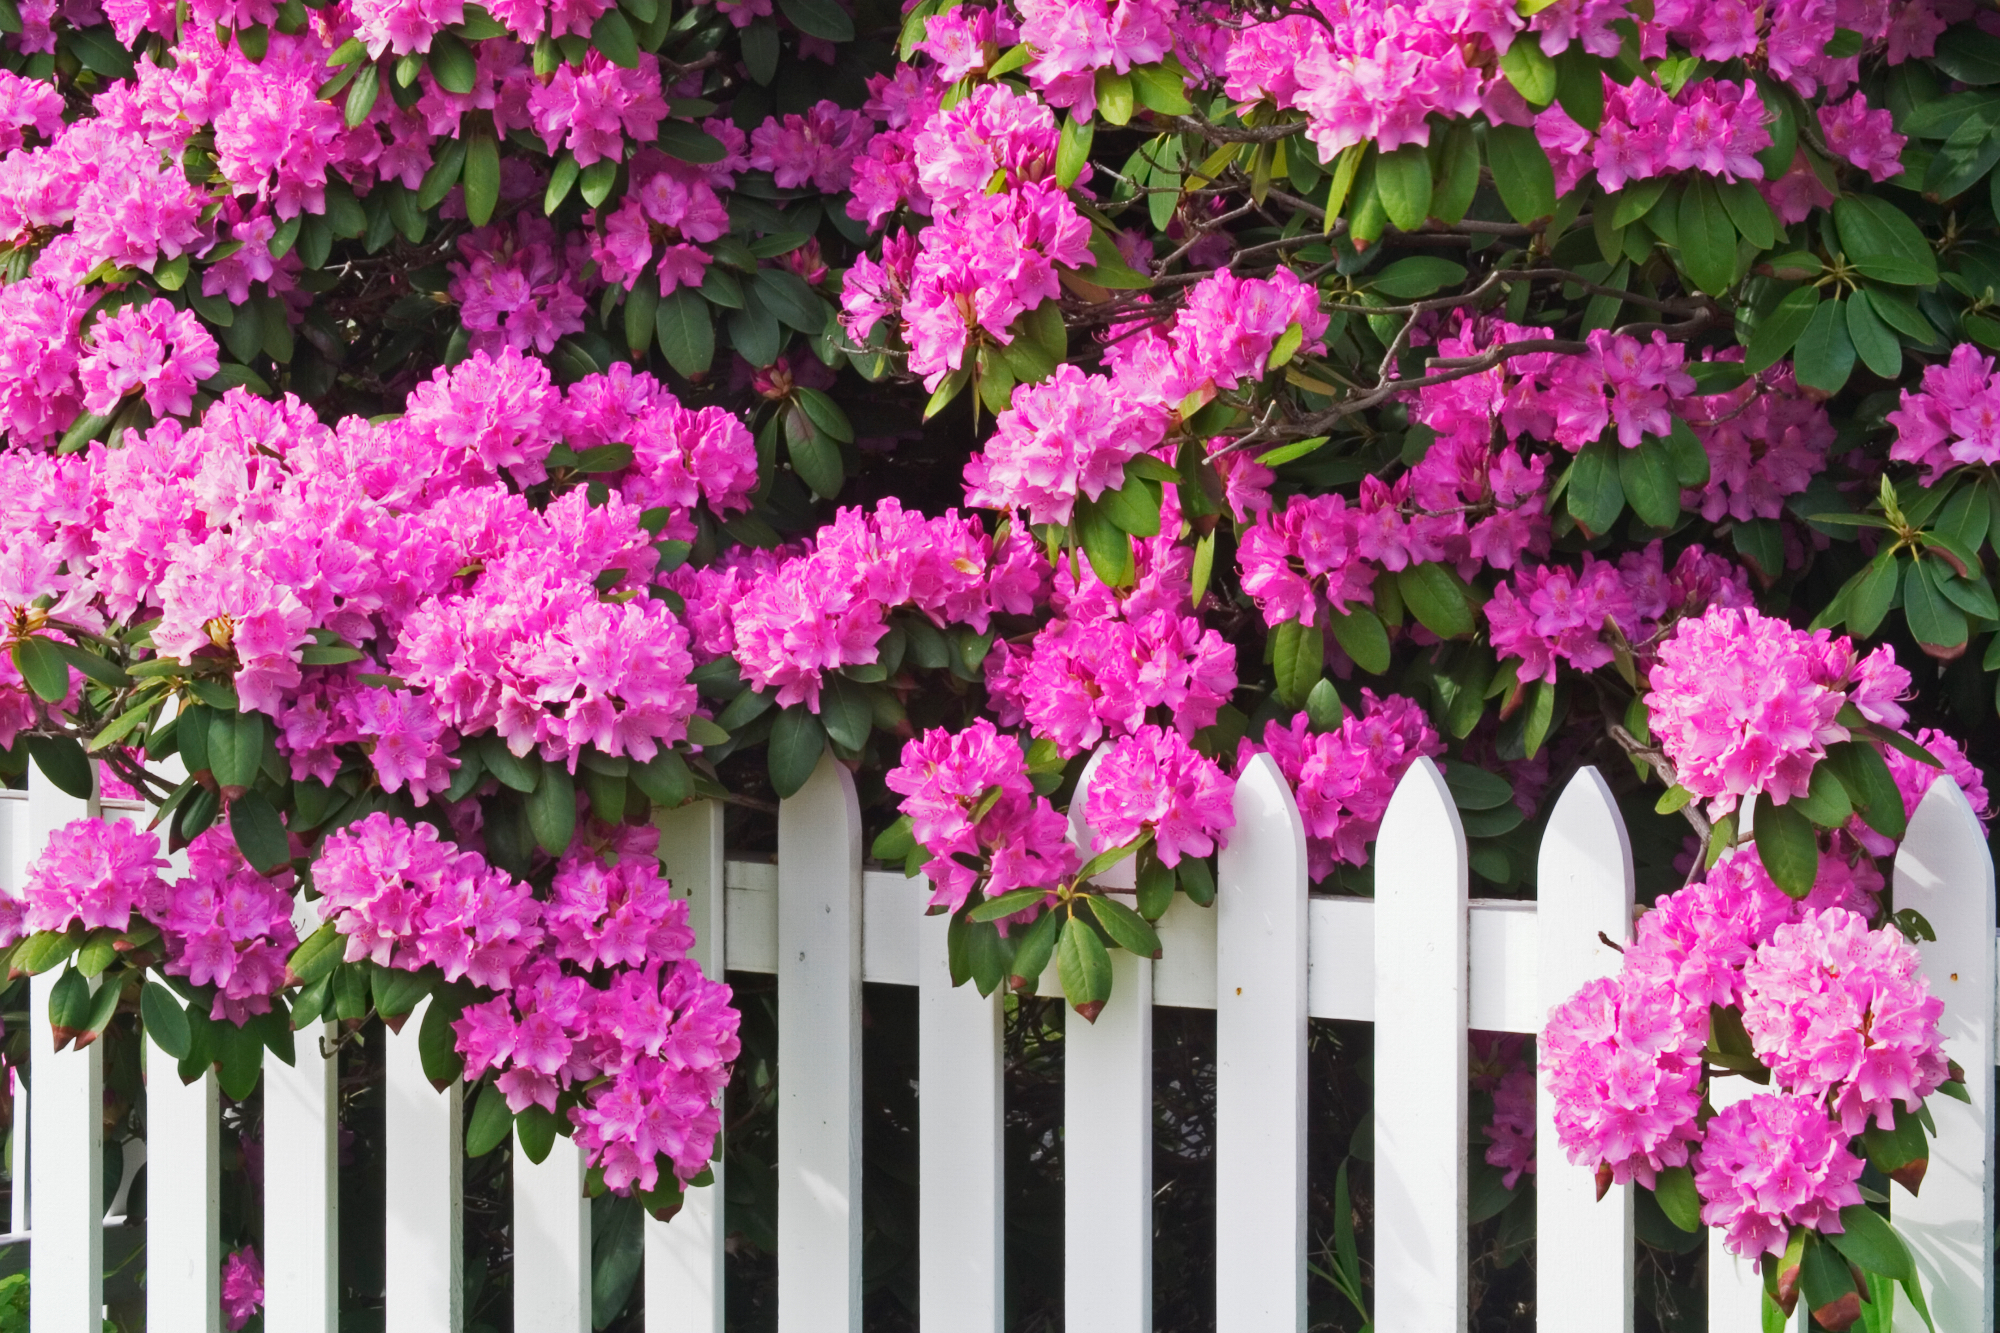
(1747, 209)
(1871, 785)
(1474, 788)
(437, 1044)
(597, 180)
(1935, 620)
(1403, 180)
(797, 741)
(1457, 173)
(815, 458)
(551, 809)
(1883, 243)
(1531, 72)
(1133, 508)
(100, 52)
(1675, 1192)
(1636, 200)
(318, 955)
(1032, 954)
(1114, 97)
(452, 64)
(1826, 803)
(819, 18)
(1825, 354)
(42, 667)
(490, 1122)
(1073, 149)
(1580, 86)
(396, 993)
(612, 34)
(1707, 237)
(1323, 706)
(1521, 172)
(259, 833)
(99, 669)
(786, 295)
(1161, 89)
(482, 175)
(1084, 968)
(1647, 476)
(1873, 341)
(63, 763)
(1361, 636)
(664, 779)
(361, 94)
(1969, 55)
(236, 748)
(1106, 545)
(1298, 659)
(1688, 456)
(562, 179)
(516, 772)
(1437, 598)
(1006, 904)
(537, 1130)
(1788, 846)
(1127, 929)
(845, 712)
(166, 1021)
(1418, 276)
(687, 333)
(642, 309)
(1595, 495)
(1780, 330)
(1872, 1245)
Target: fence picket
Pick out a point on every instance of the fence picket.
(1260, 1061)
(183, 1199)
(1421, 1004)
(301, 1249)
(684, 1257)
(1583, 1245)
(961, 1207)
(551, 1241)
(423, 1288)
(819, 1045)
(1735, 1287)
(66, 1103)
(1943, 871)
(1108, 1132)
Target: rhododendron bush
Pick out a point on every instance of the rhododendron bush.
(439, 437)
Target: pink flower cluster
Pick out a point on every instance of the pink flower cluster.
(1154, 782)
(1224, 336)
(227, 926)
(92, 872)
(242, 1286)
(1559, 613)
(1771, 1162)
(1954, 418)
(405, 899)
(1021, 841)
(1502, 1068)
(153, 348)
(1111, 660)
(1070, 435)
(1073, 39)
(1343, 778)
(1743, 703)
(1765, 440)
(1715, 127)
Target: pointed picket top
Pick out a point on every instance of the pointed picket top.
(1124, 875)
(1422, 995)
(1260, 1060)
(1584, 893)
(1944, 871)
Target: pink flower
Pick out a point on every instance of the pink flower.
(1771, 1162)
(242, 1286)
(92, 871)
(1071, 434)
(1154, 782)
(152, 347)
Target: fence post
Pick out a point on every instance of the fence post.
(1944, 871)
(301, 1249)
(1583, 1246)
(1421, 1059)
(684, 1257)
(423, 1273)
(1260, 1061)
(1108, 1132)
(551, 1240)
(960, 1177)
(183, 1199)
(819, 1055)
(66, 1103)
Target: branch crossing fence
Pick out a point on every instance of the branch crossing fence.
(1420, 960)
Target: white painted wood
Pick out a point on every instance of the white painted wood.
(17, 1166)
(1421, 1005)
(551, 1240)
(423, 1277)
(1735, 1288)
(1583, 1246)
(183, 1199)
(819, 1055)
(66, 1101)
(301, 1249)
(1943, 871)
(1260, 1061)
(1108, 1157)
(1184, 975)
(684, 1257)
(1108, 1132)
(962, 1200)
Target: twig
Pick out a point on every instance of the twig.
(1663, 768)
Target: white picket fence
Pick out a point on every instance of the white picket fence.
(1421, 961)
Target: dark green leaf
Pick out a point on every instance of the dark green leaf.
(236, 747)
(1531, 72)
(1403, 180)
(1130, 931)
(819, 18)
(1934, 619)
(361, 94)
(687, 333)
(318, 954)
(452, 64)
(259, 833)
(62, 761)
(42, 666)
(1868, 781)
(1361, 636)
(1707, 236)
(1883, 243)
(482, 175)
(1674, 1189)
(1418, 276)
(1015, 900)
(1084, 968)
(490, 1122)
(1787, 845)
(1647, 476)
(1521, 172)
(1780, 330)
(551, 810)
(537, 1130)
(1827, 802)
(797, 741)
(166, 1021)
(1298, 659)
(1825, 354)
(612, 34)
(1436, 596)
(437, 1044)
(845, 712)
(1873, 341)
(1595, 494)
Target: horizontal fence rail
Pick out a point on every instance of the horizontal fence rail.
(1421, 960)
